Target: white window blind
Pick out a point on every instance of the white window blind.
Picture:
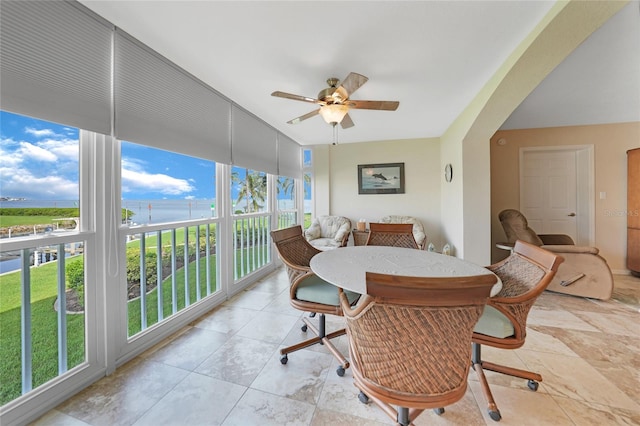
(55, 63)
(289, 157)
(159, 104)
(254, 142)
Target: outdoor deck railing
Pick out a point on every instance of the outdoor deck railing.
(179, 268)
(39, 338)
(287, 218)
(252, 243)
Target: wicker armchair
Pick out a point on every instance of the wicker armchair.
(418, 229)
(309, 293)
(525, 274)
(391, 234)
(410, 340)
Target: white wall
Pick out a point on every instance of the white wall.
(421, 158)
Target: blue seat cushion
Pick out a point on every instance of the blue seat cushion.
(494, 323)
(314, 289)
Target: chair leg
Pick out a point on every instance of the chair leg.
(321, 338)
(479, 366)
(403, 416)
(493, 411)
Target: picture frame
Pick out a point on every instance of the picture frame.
(381, 178)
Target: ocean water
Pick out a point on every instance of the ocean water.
(152, 211)
(144, 211)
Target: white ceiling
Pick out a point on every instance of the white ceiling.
(432, 56)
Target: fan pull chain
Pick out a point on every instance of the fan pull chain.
(335, 133)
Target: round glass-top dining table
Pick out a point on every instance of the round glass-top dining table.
(346, 267)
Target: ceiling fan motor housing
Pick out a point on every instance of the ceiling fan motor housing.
(327, 95)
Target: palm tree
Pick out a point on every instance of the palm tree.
(286, 185)
(253, 189)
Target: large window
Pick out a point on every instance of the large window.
(252, 221)
(105, 245)
(42, 321)
(171, 266)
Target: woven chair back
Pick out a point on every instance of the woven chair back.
(410, 337)
(525, 274)
(391, 234)
(294, 250)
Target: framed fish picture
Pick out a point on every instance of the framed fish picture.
(381, 178)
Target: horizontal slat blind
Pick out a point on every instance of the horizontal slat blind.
(55, 63)
(254, 142)
(289, 157)
(160, 105)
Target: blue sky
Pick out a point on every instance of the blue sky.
(39, 161)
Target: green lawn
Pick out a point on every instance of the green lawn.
(8, 221)
(44, 331)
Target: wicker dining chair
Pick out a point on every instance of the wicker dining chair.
(525, 274)
(410, 340)
(391, 234)
(309, 293)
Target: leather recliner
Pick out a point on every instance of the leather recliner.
(584, 272)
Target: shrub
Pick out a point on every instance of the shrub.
(74, 271)
(133, 267)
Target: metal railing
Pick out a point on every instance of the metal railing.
(251, 243)
(40, 338)
(287, 218)
(169, 268)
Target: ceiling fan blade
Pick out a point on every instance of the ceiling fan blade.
(304, 117)
(350, 85)
(346, 122)
(279, 94)
(379, 105)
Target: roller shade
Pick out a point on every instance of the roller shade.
(160, 105)
(55, 63)
(254, 142)
(289, 157)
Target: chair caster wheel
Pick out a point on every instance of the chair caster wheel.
(304, 328)
(284, 359)
(438, 411)
(340, 371)
(533, 385)
(312, 314)
(495, 415)
(363, 398)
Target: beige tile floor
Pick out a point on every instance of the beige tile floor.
(224, 369)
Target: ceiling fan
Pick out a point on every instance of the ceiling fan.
(335, 103)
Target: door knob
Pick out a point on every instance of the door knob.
(571, 214)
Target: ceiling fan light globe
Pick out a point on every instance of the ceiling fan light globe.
(333, 113)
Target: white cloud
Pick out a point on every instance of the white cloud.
(9, 158)
(133, 164)
(64, 148)
(22, 183)
(39, 133)
(33, 152)
(136, 180)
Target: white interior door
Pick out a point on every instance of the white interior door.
(549, 191)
